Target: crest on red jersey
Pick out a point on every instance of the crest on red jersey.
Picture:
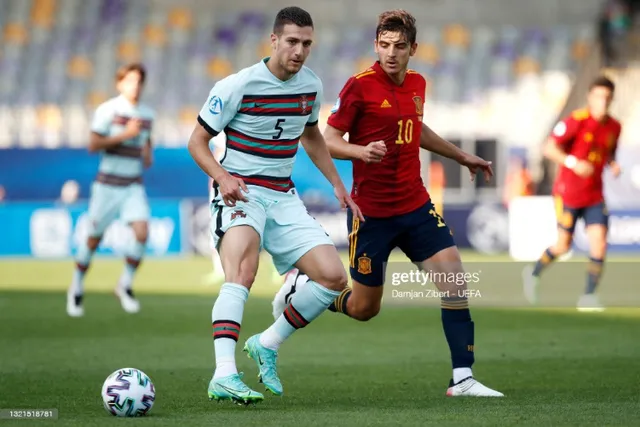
(419, 105)
(304, 103)
(588, 137)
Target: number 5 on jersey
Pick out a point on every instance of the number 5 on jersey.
(279, 128)
(405, 132)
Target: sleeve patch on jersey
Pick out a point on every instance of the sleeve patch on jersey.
(336, 106)
(215, 105)
(560, 129)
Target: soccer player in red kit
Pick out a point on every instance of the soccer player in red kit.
(381, 109)
(582, 144)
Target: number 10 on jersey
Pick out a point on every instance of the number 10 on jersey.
(405, 131)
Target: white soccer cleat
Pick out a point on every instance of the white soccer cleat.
(293, 280)
(128, 302)
(589, 303)
(74, 305)
(530, 285)
(470, 387)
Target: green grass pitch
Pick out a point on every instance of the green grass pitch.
(555, 366)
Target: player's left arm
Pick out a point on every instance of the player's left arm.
(431, 141)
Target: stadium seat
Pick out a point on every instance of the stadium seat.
(526, 65)
(66, 52)
(263, 50)
(456, 35)
(428, 53)
(43, 13)
(180, 18)
(96, 98)
(128, 51)
(219, 68)
(154, 35)
(15, 33)
(79, 67)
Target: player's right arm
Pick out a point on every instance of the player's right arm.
(221, 107)
(102, 119)
(555, 149)
(342, 119)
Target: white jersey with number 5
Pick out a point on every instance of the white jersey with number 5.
(263, 118)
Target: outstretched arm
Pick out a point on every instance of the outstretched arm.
(431, 141)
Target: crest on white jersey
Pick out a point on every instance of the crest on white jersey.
(304, 103)
(215, 105)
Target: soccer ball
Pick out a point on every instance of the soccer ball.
(128, 392)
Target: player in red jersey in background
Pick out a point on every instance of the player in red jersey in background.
(582, 144)
(381, 109)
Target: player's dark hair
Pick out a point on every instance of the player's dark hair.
(603, 81)
(397, 21)
(127, 68)
(291, 15)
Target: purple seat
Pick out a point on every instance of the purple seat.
(505, 50)
(227, 37)
(112, 11)
(251, 19)
(535, 36)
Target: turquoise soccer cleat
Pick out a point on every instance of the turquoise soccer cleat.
(232, 388)
(266, 359)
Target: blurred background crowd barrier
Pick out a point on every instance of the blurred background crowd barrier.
(500, 74)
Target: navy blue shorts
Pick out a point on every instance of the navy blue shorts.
(420, 234)
(593, 215)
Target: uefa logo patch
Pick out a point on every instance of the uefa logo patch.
(215, 105)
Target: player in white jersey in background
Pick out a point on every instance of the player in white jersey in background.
(121, 131)
(265, 110)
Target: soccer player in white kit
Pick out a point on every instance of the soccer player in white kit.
(265, 111)
(121, 132)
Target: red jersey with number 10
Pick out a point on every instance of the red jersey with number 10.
(371, 107)
(587, 139)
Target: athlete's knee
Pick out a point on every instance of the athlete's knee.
(334, 278)
(598, 250)
(93, 242)
(243, 274)
(141, 231)
(562, 247)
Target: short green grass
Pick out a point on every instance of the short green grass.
(556, 367)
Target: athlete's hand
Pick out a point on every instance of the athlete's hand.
(615, 169)
(476, 164)
(231, 189)
(583, 168)
(374, 152)
(132, 128)
(345, 201)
